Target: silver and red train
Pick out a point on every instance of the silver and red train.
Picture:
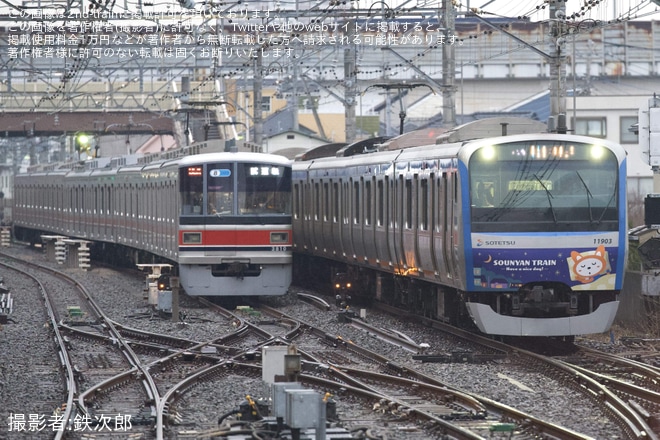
(223, 219)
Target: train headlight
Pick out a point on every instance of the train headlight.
(348, 285)
(597, 152)
(192, 237)
(279, 237)
(337, 286)
(487, 153)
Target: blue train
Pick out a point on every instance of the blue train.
(523, 234)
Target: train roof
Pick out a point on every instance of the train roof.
(451, 150)
(195, 154)
(234, 157)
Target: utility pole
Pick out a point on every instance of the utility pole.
(350, 91)
(448, 67)
(557, 60)
(256, 101)
(558, 65)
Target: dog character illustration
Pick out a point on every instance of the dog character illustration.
(589, 265)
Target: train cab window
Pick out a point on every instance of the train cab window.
(191, 189)
(529, 187)
(263, 189)
(220, 189)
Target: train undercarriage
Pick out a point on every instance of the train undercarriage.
(535, 310)
(418, 297)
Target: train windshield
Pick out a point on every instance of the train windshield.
(543, 187)
(235, 189)
(263, 189)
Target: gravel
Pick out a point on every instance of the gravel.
(26, 350)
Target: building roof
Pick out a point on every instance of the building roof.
(282, 121)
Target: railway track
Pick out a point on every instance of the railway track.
(184, 371)
(98, 374)
(405, 395)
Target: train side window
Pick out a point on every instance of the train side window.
(408, 202)
(356, 203)
(335, 196)
(424, 205)
(326, 201)
(347, 202)
(296, 202)
(380, 208)
(367, 203)
(317, 201)
(391, 203)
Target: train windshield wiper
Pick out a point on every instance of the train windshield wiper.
(589, 197)
(609, 202)
(549, 196)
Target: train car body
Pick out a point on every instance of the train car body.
(223, 218)
(524, 234)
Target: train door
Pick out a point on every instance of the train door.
(159, 218)
(408, 222)
(78, 212)
(124, 206)
(423, 248)
(433, 222)
(380, 222)
(316, 217)
(390, 221)
(95, 212)
(133, 218)
(444, 228)
(450, 226)
(335, 217)
(344, 218)
(324, 217)
(296, 219)
(170, 215)
(369, 231)
(357, 219)
(106, 215)
(398, 211)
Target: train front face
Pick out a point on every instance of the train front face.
(235, 225)
(546, 242)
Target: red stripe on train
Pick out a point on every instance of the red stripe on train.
(243, 238)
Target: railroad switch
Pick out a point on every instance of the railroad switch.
(503, 427)
(253, 410)
(292, 411)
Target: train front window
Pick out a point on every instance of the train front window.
(263, 189)
(543, 187)
(220, 189)
(191, 188)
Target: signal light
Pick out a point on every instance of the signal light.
(164, 282)
(83, 142)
